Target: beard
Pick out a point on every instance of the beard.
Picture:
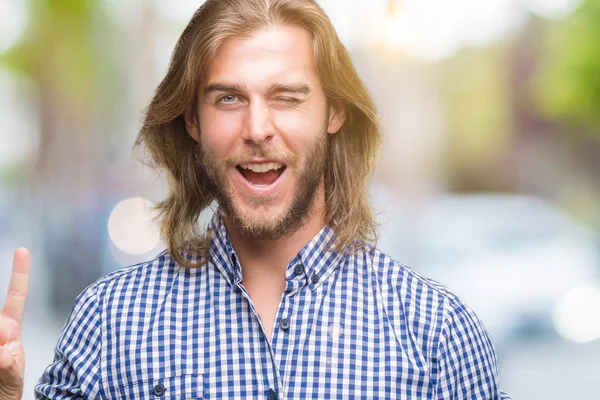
(307, 175)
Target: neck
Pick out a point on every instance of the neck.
(271, 257)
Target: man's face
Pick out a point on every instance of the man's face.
(263, 126)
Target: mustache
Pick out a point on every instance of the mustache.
(239, 156)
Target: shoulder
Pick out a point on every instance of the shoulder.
(161, 268)
(142, 283)
(422, 305)
(407, 283)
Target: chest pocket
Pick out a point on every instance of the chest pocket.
(183, 387)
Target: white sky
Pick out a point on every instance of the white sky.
(427, 29)
(13, 19)
(435, 29)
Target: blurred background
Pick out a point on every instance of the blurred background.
(489, 179)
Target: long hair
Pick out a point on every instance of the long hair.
(352, 151)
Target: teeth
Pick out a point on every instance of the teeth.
(262, 167)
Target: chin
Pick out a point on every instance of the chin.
(261, 214)
(265, 222)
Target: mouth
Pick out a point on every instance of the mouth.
(261, 174)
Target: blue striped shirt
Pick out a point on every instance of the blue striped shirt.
(348, 326)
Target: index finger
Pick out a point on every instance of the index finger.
(19, 286)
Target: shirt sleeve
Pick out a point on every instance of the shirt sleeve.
(74, 373)
(467, 366)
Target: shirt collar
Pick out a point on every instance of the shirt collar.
(222, 252)
(317, 258)
(314, 262)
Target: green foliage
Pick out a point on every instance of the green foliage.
(60, 50)
(477, 99)
(568, 86)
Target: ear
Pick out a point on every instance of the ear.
(337, 117)
(191, 123)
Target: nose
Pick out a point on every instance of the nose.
(259, 128)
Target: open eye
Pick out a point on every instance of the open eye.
(227, 99)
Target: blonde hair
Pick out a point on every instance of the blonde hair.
(351, 153)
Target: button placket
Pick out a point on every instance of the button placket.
(283, 335)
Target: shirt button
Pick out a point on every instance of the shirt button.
(272, 395)
(298, 270)
(314, 278)
(159, 390)
(284, 324)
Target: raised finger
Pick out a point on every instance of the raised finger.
(18, 287)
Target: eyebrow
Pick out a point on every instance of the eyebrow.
(274, 88)
(224, 87)
(290, 88)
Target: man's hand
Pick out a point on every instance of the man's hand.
(12, 357)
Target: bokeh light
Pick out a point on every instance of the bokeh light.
(130, 226)
(577, 315)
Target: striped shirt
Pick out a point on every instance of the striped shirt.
(348, 326)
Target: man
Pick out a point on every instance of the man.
(280, 297)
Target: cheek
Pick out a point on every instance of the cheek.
(299, 131)
(219, 132)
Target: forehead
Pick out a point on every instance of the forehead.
(278, 54)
